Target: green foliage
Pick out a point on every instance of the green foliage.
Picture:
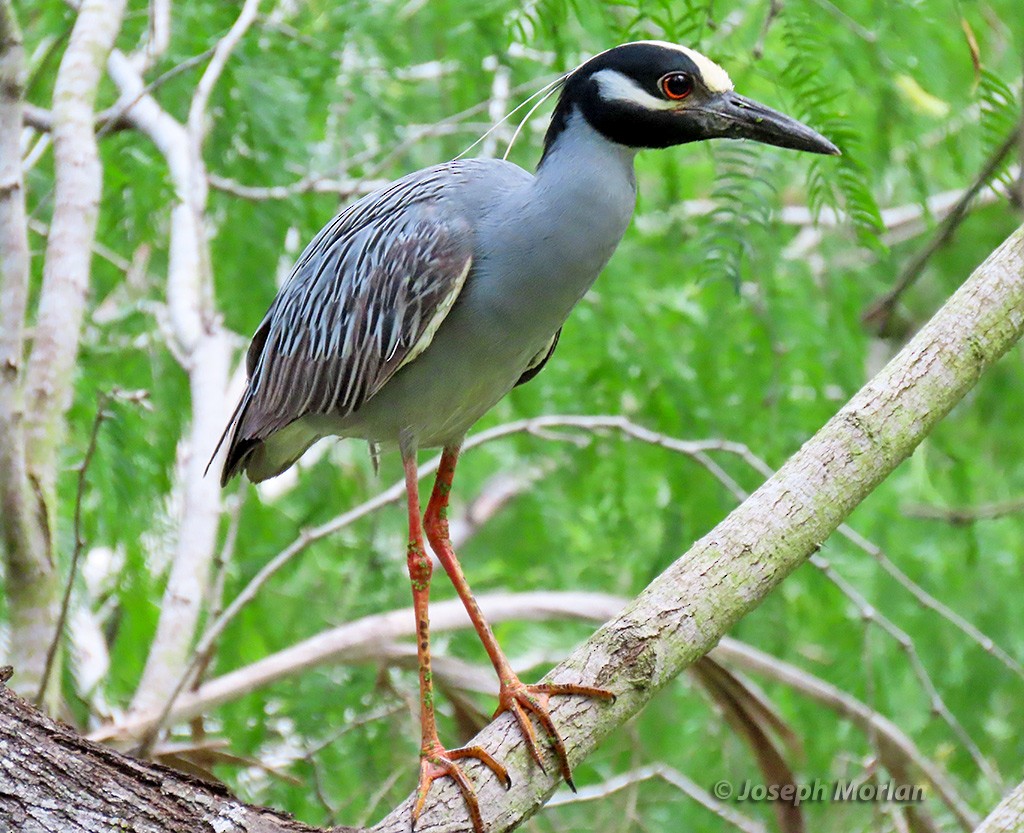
(1000, 115)
(734, 322)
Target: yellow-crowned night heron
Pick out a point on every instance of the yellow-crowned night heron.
(420, 306)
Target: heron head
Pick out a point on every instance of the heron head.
(651, 94)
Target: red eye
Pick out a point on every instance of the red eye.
(676, 85)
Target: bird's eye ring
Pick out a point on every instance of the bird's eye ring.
(676, 85)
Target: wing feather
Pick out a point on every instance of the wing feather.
(366, 297)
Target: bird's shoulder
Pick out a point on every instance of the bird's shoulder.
(444, 200)
(368, 293)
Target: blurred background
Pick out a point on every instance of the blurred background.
(755, 292)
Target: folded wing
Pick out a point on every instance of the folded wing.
(365, 297)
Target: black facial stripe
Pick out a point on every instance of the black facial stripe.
(645, 64)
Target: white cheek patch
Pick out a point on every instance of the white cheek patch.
(715, 78)
(614, 86)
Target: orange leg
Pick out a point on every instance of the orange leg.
(435, 761)
(513, 696)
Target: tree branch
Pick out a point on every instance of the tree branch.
(965, 515)
(897, 751)
(690, 607)
(373, 639)
(204, 347)
(48, 381)
(32, 586)
(22, 539)
(221, 53)
(48, 769)
(1008, 816)
(877, 315)
(685, 611)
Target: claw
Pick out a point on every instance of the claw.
(525, 700)
(439, 762)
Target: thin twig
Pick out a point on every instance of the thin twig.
(312, 184)
(894, 747)
(347, 187)
(879, 313)
(869, 613)
(102, 414)
(112, 119)
(969, 630)
(116, 113)
(774, 10)
(221, 53)
(965, 515)
(669, 775)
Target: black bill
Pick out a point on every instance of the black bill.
(732, 116)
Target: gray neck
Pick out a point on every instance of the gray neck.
(580, 204)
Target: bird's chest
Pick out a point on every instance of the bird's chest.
(526, 289)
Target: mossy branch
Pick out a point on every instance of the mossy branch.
(676, 620)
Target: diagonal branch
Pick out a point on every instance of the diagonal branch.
(878, 314)
(726, 574)
(688, 609)
(1008, 816)
(374, 638)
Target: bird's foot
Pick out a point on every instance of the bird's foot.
(525, 700)
(437, 762)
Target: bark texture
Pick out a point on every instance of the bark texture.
(676, 620)
(24, 534)
(51, 779)
(1008, 816)
(34, 591)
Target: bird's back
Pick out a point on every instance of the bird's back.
(364, 298)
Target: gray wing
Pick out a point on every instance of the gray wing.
(365, 297)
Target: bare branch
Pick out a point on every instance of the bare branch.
(1008, 816)
(48, 769)
(204, 349)
(159, 35)
(880, 311)
(897, 751)
(872, 615)
(105, 252)
(221, 53)
(83, 470)
(364, 639)
(32, 587)
(670, 776)
(77, 188)
(35, 403)
(15, 498)
(965, 515)
(313, 184)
